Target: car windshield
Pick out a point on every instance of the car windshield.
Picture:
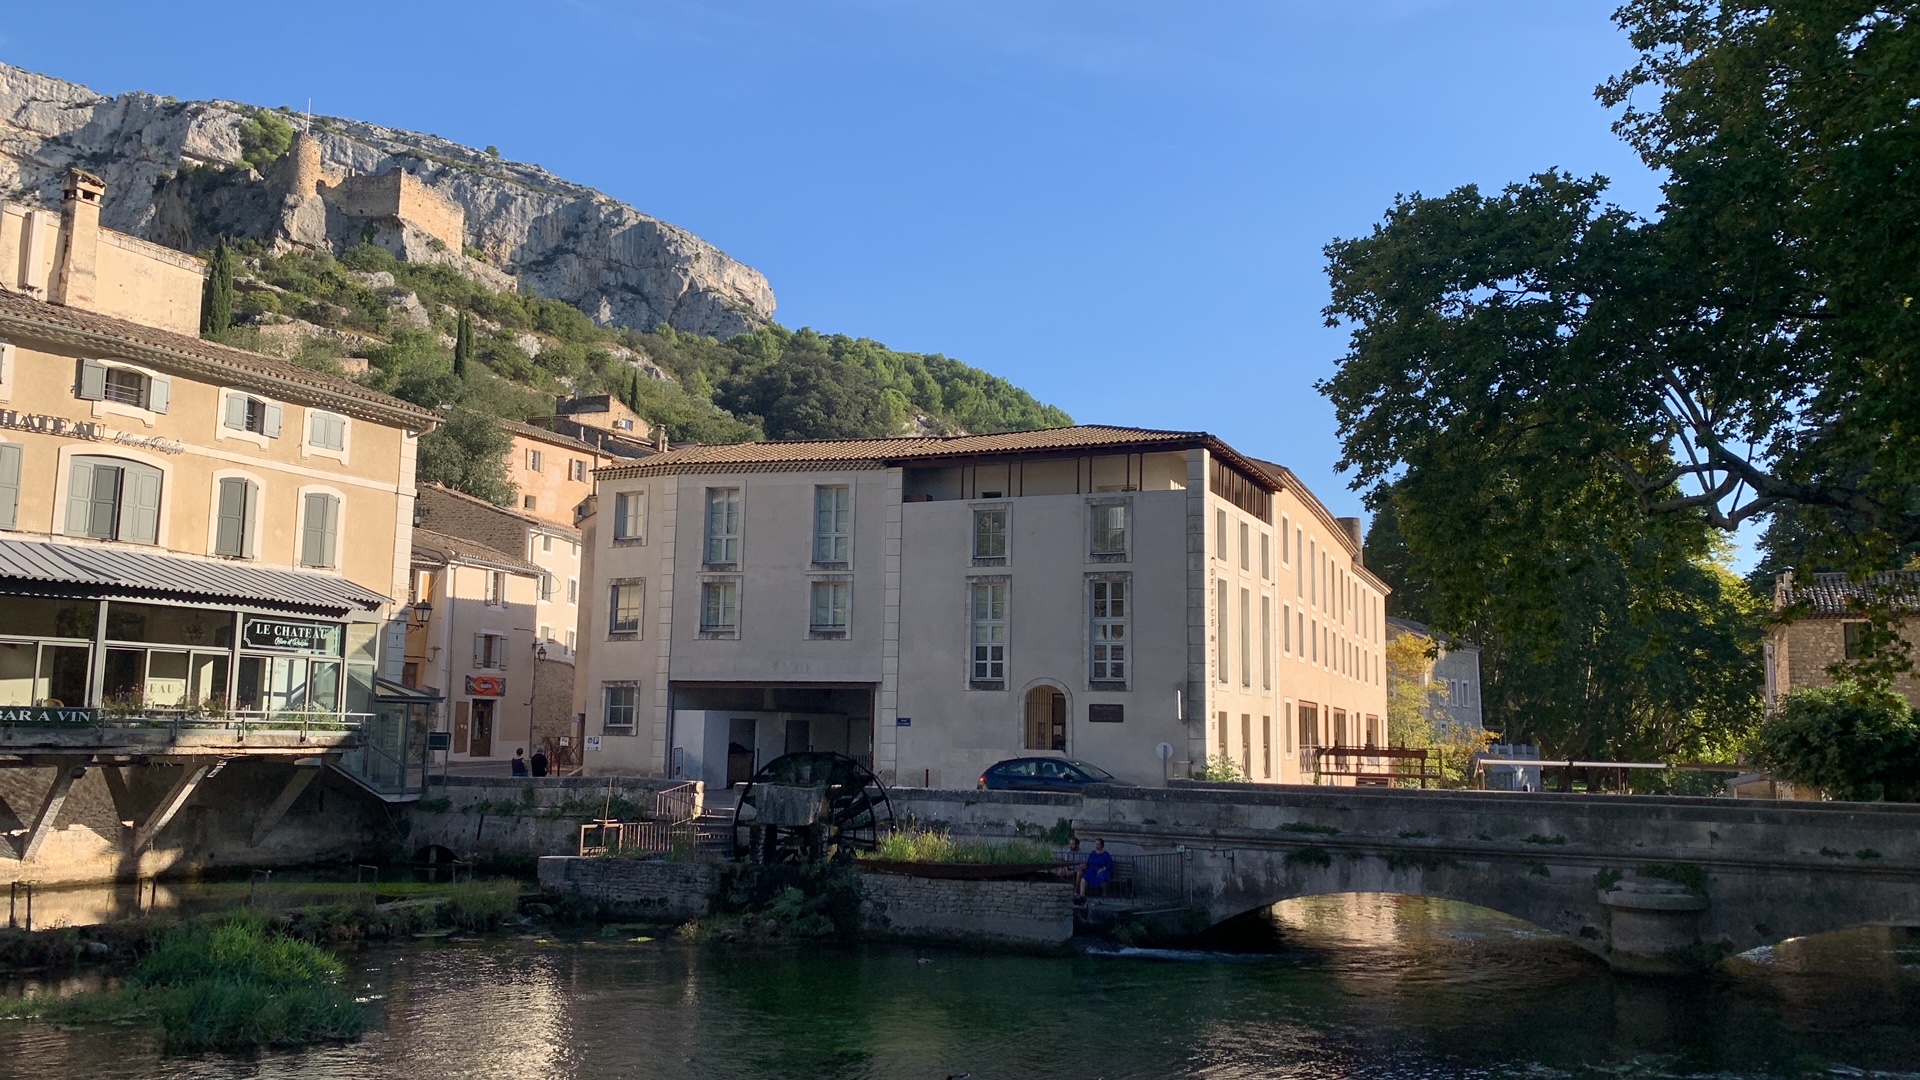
(1094, 771)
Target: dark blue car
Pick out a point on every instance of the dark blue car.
(1043, 774)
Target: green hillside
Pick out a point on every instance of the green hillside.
(774, 383)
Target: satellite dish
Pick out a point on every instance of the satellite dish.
(1165, 750)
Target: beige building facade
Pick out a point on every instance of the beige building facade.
(933, 606)
(552, 474)
(470, 639)
(183, 526)
(1826, 627)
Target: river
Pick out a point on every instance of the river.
(1345, 986)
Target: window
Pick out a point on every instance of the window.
(1246, 547)
(490, 651)
(832, 601)
(1286, 726)
(1854, 639)
(723, 526)
(247, 413)
(1299, 567)
(546, 544)
(576, 469)
(319, 529)
(1266, 643)
(9, 485)
(1286, 630)
(1222, 729)
(546, 633)
(573, 590)
(1266, 747)
(573, 640)
(546, 586)
(233, 525)
(326, 430)
(622, 707)
(1109, 529)
(125, 386)
(113, 499)
(496, 588)
(990, 534)
(832, 518)
(719, 607)
(1285, 525)
(536, 461)
(1109, 631)
(1309, 726)
(989, 636)
(1246, 745)
(1220, 634)
(623, 425)
(1266, 557)
(529, 502)
(1246, 638)
(1220, 535)
(629, 515)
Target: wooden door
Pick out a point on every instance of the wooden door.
(482, 736)
(460, 727)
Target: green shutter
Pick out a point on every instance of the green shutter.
(93, 381)
(321, 530)
(159, 393)
(236, 417)
(140, 505)
(230, 534)
(271, 426)
(9, 485)
(79, 497)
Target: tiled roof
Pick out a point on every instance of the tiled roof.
(508, 512)
(100, 570)
(531, 431)
(1287, 481)
(879, 453)
(104, 335)
(439, 547)
(1833, 594)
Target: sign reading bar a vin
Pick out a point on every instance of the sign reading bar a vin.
(291, 635)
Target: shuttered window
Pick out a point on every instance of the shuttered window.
(233, 529)
(9, 485)
(113, 499)
(319, 530)
(326, 430)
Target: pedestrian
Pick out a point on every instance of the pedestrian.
(519, 761)
(539, 762)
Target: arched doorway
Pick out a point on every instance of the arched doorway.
(1046, 719)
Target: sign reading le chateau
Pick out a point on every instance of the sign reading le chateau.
(290, 635)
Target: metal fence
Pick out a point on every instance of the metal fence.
(1160, 875)
(673, 829)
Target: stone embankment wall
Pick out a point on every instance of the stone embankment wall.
(986, 814)
(476, 817)
(1001, 914)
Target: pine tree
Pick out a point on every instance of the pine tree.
(216, 314)
(462, 345)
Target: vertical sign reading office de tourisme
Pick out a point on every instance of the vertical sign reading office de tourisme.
(291, 635)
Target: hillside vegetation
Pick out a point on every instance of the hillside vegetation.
(773, 383)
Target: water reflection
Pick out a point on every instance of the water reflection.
(1359, 986)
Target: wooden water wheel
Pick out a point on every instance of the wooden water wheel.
(801, 807)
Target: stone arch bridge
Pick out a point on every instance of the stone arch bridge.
(1653, 884)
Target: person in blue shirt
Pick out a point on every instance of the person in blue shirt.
(1099, 869)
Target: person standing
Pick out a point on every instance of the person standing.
(539, 762)
(519, 761)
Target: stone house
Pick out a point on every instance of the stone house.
(934, 605)
(1456, 671)
(552, 473)
(1823, 627)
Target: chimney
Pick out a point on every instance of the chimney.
(660, 439)
(1352, 525)
(74, 281)
(1782, 589)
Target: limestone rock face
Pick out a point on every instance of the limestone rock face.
(558, 239)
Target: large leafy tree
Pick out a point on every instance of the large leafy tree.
(1549, 384)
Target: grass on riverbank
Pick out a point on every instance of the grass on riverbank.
(917, 845)
(234, 981)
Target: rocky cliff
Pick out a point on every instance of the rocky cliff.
(558, 239)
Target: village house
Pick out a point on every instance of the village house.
(1819, 625)
(1455, 673)
(183, 526)
(934, 605)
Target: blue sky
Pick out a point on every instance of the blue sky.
(1119, 206)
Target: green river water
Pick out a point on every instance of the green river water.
(1345, 986)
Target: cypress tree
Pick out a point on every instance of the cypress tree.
(462, 345)
(216, 311)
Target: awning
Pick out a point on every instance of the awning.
(388, 690)
(86, 571)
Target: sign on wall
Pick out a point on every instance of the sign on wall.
(487, 685)
(46, 716)
(290, 635)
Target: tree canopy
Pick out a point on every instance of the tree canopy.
(1750, 351)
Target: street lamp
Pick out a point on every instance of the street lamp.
(533, 699)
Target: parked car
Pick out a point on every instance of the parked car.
(1044, 774)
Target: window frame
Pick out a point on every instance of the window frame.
(730, 542)
(829, 631)
(629, 512)
(1097, 532)
(616, 631)
(1101, 673)
(712, 628)
(127, 468)
(312, 447)
(626, 687)
(249, 540)
(304, 525)
(988, 671)
(988, 511)
(836, 535)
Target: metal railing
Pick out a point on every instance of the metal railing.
(639, 838)
(176, 719)
(677, 803)
(1383, 766)
(1160, 875)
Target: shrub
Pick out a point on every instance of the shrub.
(916, 845)
(1855, 741)
(1222, 769)
(481, 905)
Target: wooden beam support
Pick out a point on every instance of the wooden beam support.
(176, 797)
(303, 775)
(42, 824)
